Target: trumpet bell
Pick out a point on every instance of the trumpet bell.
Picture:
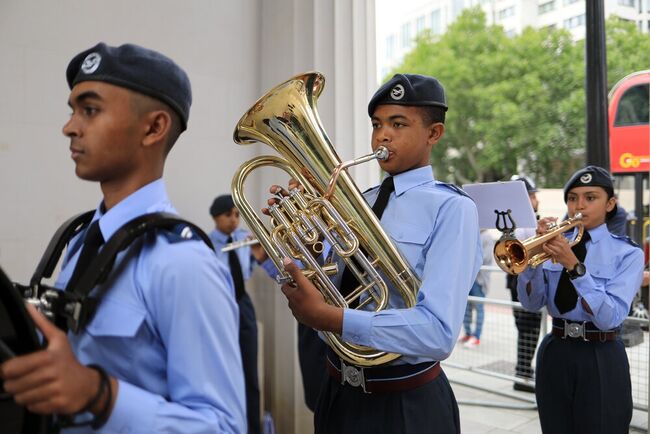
(511, 256)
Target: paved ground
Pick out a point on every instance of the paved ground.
(488, 403)
(489, 418)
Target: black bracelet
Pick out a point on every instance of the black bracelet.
(63, 421)
(105, 384)
(100, 391)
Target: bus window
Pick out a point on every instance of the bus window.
(634, 107)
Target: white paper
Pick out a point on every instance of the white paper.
(502, 196)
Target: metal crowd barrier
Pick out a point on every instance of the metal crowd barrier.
(496, 357)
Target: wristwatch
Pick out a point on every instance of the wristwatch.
(578, 271)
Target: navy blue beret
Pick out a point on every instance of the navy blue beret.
(136, 68)
(221, 204)
(529, 183)
(409, 89)
(592, 176)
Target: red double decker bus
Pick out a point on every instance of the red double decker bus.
(629, 124)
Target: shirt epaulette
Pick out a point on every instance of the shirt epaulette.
(453, 188)
(625, 238)
(179, 233)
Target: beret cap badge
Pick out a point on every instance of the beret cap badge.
(586, 178)
(91, 63)
(397, 92)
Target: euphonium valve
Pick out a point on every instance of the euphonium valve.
(330, 209)
(513, 256)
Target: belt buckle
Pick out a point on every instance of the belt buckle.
(574, 330)
(353, 376)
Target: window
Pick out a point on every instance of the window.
(390, 46)
(634, 107)
(507, 12)
(569, 2)
(419, 25)
(546, 7)
(630, 3)
(574, 22)
(436, 27)
(406, 35)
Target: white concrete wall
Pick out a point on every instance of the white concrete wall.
(216, 42)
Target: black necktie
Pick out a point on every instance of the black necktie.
(348, 281)
(92, 242)
(386, 188)
(235, 272)
(566, 296)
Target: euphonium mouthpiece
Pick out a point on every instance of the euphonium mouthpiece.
(381, 153)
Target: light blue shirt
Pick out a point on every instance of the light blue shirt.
(436, 229)
(246, 258)
(167, 329)
(614, 274)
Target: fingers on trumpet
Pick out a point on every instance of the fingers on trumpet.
(544, 224)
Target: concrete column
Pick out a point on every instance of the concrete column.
(336, 38)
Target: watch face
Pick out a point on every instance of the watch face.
(578, 271)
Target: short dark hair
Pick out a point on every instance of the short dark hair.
(143, 104)
(432, 114)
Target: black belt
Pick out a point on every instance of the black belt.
(397, 378)
(584, 330)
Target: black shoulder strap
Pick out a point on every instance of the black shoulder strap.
(101, 266)
(61, 238)
(74, 304)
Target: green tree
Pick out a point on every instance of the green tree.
(515, 102)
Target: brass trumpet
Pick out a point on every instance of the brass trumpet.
(513, 256)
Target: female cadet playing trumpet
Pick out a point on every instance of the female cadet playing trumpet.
(583, 379)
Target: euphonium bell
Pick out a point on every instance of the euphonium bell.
(513, 256)
(331, 208)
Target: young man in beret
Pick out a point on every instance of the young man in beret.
(527, 323)
(241, 262)
(163, 358)
(583, 375)
(435, 226)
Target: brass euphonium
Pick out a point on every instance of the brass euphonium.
(513, 256)
(331, 208)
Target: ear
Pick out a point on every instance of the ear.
(436, 131)
(157, 126)
(611, 202)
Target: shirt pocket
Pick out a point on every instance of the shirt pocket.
(116, 319)
(601, 272)
(410, 240)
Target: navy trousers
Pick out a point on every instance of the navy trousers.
(248, 346)
(312, 355)
(343, 409)
(583, 387)
(528, 325)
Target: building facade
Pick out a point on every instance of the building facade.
(397, 32)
